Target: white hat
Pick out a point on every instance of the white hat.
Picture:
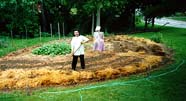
(98, 28)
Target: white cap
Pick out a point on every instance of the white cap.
(98, 28)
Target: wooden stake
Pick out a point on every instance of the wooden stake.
(11, 37)
(63, 29)
(26, 32)
(58, 30)
(51, 30)
(40, 32)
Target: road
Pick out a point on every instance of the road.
(170, 22)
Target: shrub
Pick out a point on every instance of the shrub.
(53, 49)
(157, 38)
(3, 43)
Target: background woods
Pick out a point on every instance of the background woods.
(26, 18)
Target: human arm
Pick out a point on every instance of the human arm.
(84, 40)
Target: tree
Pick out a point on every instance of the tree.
(105, 11)
(19, 16)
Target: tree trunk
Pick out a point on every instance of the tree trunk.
(40, 33)
(51, 30)
(153, 20)
(98, 17)
(43, 18)
(92, 30)
(133, 18)
(146, 23)
(63, 29)
(26, 32)
(58, 30)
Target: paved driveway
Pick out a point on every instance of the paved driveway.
(170, 22)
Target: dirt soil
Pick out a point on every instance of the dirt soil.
(123, 56)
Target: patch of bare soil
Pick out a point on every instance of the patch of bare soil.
(123, 56)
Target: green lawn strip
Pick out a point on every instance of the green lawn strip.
(16, 44)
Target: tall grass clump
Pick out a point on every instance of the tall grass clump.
(157, 38)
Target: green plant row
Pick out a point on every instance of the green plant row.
(53, 49)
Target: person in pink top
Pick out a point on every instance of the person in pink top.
(98, 40)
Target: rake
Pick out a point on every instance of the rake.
(72, 54)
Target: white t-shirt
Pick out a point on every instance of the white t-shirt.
(75, 45)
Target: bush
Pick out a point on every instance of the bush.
(3, 43)
(53, 49)
(157, 38)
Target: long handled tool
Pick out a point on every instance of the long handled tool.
(72, 55)
(77, 49)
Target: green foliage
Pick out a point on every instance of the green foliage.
(22, 16)
(53, 49)
(108, 34)
(157, 38)
(45, 34)
(16, 44)
(19, 16)
(138, 19)
(73, 11)
(3, 43)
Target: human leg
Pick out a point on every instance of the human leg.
(82, 61)
(74, 62)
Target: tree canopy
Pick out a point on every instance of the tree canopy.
(27, 16)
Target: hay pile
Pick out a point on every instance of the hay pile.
(126, 55)
(21, 78)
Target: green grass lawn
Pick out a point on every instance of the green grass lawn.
(16, 44)
(165, 84)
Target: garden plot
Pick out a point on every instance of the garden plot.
(123, 56)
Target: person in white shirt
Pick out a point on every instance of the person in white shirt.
(77, 49)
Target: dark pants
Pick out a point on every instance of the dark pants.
(75, 59)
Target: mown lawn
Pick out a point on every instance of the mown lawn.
(165, 84)
(10, 45)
